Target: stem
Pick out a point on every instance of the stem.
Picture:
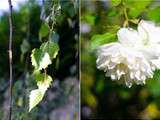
(10, 59)
(125, 14)
(126, 22)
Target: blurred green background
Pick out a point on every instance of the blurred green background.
(61, 102)
(102, 98)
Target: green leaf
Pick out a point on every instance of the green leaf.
(153, 14)
(101, 39)
(51, 48)
(112, 12)
(136, 7)
(43, 83)
(25, 46)
(154, 83)
(40, 60)
(90, 19)
(44, 31)
(35, 97)
(115, 2)
(156, 75)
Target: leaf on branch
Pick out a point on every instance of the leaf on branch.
(51, 48)
(40, 60)
(115, 2)
(100, 39)
(153, 14)
(44, 31)
(90, 19)
(35, 97)
(43, 83)
(136, 8)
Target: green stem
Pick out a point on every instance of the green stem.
(126, 22)
(125, 14)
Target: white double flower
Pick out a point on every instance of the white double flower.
(134, 57)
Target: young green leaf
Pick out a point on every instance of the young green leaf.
(101, 39)
(51, 48)
(35, 97)
(40, 60)
(115, 2)
(43, 83)
(44, 31)
(136, 8)
(153, 14)
(90, 19)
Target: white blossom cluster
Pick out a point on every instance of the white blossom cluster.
(134, 57)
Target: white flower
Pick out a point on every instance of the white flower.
(135, 56)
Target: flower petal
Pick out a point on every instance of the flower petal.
(149, 30)
(128, 36)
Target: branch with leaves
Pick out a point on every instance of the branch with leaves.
(42, 57)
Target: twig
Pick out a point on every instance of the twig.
(126, 22)
(10, 59)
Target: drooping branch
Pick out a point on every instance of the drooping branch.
(10, 58)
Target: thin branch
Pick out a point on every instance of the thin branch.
(10, 59)
(126, 22)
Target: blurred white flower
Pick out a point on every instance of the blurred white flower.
(134, 57)
(85, 28)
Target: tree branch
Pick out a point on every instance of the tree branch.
(10, 58)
